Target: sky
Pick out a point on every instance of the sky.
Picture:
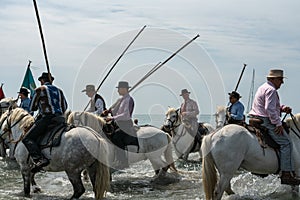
(85, 38)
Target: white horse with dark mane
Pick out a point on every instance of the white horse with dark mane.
(5, 104)
(154, 144)
(80, 148)
(183, 140)
(245, 153)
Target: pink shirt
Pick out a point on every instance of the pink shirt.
(266, 103)
(123, 109)
(190, 107)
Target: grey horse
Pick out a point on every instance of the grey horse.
(80, 148)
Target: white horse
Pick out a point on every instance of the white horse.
(154, 144)
(5, 104)
(220, 116)
(183, 141)
(234, 147)
(80, 148)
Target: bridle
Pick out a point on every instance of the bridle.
(173, 123)
(220, 122)
(10, 126)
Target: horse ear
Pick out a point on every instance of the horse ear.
(177, 110)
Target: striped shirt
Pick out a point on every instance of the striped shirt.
(49, 100)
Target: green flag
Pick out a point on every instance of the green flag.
(28, 81)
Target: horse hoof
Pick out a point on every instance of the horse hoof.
(36, 189)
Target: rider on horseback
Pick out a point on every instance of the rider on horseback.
(97, 101)
(25, 100)
(189, 111)
(52, 104)
(235, 114)
(125, 133)
(266, 107)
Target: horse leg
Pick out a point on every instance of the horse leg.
(35, 187)
(92, 174)
(26, 180)
(228, 190)
(75, 179)
(2, 149)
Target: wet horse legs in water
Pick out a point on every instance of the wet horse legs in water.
(75, 179)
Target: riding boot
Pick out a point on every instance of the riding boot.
(289, 179)
(38, 158)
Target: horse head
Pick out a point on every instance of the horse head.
(172, 119)
(220, 116)
(7, 103)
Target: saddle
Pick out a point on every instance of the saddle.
(261, 132)
(202, 131)
(264, 139)
(52, 137)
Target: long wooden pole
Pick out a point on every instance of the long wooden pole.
(237, 85)
(113, 66)
(159, 65)
(42, 38)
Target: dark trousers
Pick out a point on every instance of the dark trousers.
(34, 134)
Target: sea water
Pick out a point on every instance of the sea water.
(135, 182)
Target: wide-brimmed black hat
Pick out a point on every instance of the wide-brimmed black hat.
(123, 84)
(235, 95)
(24, 90)
(45, 76)
(184, 91)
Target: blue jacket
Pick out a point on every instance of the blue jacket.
(237, 111)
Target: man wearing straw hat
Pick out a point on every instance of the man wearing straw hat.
(266, 107)
(122, 115)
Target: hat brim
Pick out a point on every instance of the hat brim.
(276, 77)
(185, 93)
(43, 77)
(123, 87)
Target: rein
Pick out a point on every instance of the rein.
(294, 121)
(11, 126)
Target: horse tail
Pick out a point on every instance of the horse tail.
(169, 154)
(102, 182)
(209, 172)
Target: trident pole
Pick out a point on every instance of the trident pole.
(42, 38)
(113, 66)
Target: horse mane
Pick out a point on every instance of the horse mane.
(221, 108)
(25, 122)
(289, 121)
(90, 119)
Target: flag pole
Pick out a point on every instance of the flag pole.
(42, 38)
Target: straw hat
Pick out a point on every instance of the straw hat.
(275, 73)
(89, 88)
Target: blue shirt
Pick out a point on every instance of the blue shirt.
(237, 111)
(25, 104)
